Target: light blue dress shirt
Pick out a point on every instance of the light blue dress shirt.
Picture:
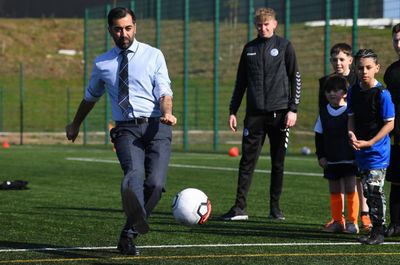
(148, 80)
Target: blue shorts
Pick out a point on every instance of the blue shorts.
(338, 171)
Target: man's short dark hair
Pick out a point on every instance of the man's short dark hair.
(119, 12)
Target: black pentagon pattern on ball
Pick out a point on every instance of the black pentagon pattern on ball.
(175, 201)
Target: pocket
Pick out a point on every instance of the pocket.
(113, 134)
(166, 131)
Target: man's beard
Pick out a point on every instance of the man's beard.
(122, 44)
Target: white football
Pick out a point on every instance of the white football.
(305, 151)
(191, 207)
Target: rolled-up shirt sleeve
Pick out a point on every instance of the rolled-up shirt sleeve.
(162, 83)
(96, 87)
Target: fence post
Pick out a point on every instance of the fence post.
(21, 103)
(327, 36)
(1, 109)
(196, 107)
(68, 104)
(133, 5)
(85, 67)
(287, 19)
(107, 97)
(216, 73)
(354, 30)
(250, 23)
(158, 23)
(186, 77)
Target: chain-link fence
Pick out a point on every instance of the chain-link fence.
(202, 42)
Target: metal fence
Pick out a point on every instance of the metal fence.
(202, 42)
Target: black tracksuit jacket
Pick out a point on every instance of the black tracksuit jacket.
(268, 70)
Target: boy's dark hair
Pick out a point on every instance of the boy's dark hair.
(396, 29)
(341, 47)
(336, 82)
(366, 53)
(119, 12)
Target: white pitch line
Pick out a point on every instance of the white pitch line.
(85, 159)
(293, 244)
(262, 157)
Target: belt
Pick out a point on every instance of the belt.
(140, 120)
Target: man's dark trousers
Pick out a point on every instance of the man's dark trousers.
(143, 151)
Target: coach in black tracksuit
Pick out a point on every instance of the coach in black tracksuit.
(268, 70)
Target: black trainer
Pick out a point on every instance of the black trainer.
(234, 214)
(392, 230)
(363, 239)
(276, 215)
(376, 236)
(126, 243)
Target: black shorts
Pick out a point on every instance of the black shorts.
(338, 171)
(393, 171)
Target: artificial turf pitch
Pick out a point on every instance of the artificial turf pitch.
(71, 213)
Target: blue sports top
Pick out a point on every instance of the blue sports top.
(148, 80)
(378, 155)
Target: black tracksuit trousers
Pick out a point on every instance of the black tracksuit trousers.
(256, 128)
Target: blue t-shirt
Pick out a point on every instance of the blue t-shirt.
(378, 155)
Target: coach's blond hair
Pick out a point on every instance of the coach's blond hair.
(263, 14)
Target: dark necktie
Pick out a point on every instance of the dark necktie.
(123, 93)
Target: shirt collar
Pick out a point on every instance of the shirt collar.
(336, 112)
(133, 48)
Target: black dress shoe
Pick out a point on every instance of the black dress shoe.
(127, 247)
(126, 243)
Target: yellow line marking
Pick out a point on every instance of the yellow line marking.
(203, 257)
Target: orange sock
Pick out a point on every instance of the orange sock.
(353, 206)
(336, 207)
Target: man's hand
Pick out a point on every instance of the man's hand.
(72, 131)
(168, 119)
(232, 122)
(290, 119)
(166, 109)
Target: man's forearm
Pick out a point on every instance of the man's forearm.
(83, 110)
(166, 105)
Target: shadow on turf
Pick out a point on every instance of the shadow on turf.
(84, 209)
(40, 248)
(256, 227)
